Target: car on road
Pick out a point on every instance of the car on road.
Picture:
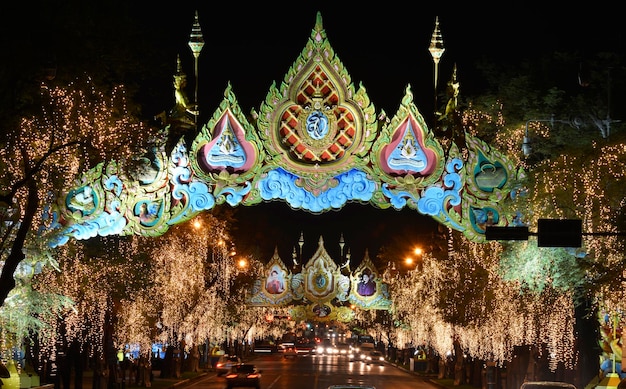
(225, 363)
(326, 347)
(375, 357)
(243, 375)
(343, 349)
(290, 352)
(363, 351)
(306, 348)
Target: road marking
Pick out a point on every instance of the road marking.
(273, 382)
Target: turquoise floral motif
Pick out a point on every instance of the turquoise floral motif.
(234, 196)
(106, 224)
(148, 212)
(437, 201)
(83, 199)
(114, 184)
(189, 196)
(483, 217)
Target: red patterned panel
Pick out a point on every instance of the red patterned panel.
(317, 93)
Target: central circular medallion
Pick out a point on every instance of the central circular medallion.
(320, 282)
(317, 125)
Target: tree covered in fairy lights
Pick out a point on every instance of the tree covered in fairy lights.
(182, 289)
(201, 286)
(195, 274)
(498, 296)
(98, 277)
(76, 127)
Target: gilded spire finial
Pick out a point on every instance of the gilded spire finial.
(436, 51)
(196, 42)
(436, 47)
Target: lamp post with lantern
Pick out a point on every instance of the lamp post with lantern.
(413, 261)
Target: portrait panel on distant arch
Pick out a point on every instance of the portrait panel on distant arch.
(275, 282)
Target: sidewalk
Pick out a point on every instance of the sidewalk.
(156, 383)
(24, 381)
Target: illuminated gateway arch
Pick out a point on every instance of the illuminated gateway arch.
(316, 143)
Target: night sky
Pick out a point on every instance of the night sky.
(383, 45)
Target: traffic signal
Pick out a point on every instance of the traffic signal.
(550, 233)
(559, 233)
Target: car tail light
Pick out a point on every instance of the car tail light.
(231, 375)
(254, 375)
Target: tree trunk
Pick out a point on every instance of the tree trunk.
(459, 368)
(194, 359)
(7, 282)
(587, 346)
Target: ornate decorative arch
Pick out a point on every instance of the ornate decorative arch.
(320, 290)
(316, 143)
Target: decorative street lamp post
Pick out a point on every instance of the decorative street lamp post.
(526, 142)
